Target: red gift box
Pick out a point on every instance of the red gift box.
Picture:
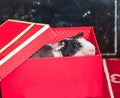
(60, 77)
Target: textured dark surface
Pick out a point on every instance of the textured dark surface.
(57, 13)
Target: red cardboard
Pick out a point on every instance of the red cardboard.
(60, 77)
(18, 41)
(112, 73)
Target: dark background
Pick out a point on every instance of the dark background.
(59, 13)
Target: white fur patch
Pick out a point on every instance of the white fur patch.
(57, 54)
(87, 48)
(56, 47)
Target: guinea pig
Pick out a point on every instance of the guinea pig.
(73, 46)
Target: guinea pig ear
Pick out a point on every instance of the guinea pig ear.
(78, 35)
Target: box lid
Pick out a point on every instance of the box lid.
(18, 41)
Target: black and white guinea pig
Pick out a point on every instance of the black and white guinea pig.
(73, 46)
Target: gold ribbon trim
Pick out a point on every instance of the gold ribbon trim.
(16, 38)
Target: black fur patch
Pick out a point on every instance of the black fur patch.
(71, 47)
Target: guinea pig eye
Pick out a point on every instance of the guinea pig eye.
(76, 45)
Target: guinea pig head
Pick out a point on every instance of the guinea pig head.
(76, 46)
(71, 45)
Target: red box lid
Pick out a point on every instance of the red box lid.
(18, 41)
